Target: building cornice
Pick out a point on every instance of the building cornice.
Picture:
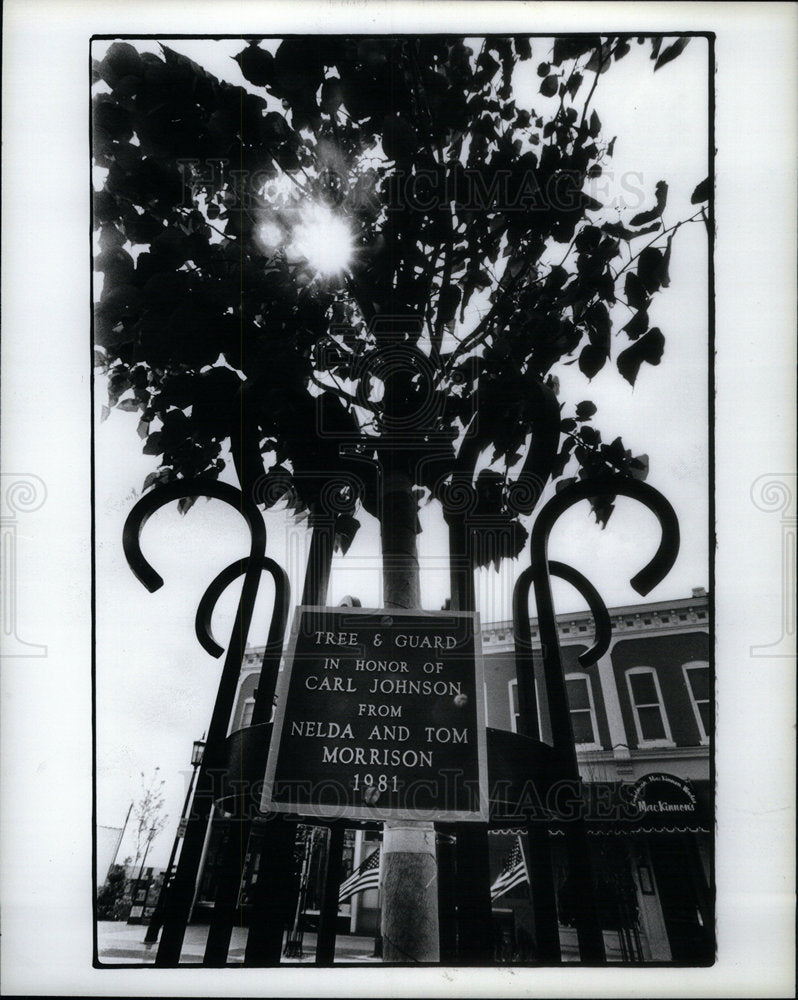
(689, 614)
(658, 618)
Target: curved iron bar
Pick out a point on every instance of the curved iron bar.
(274, 641)
(161, 495)
(663, 559)
(602, 622)
(178, 903)
(589, 934)
(598, 609)
(524, 664)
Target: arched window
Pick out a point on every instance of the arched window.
(583, 711)
(246, 714)
(696, 678)
(651, 722)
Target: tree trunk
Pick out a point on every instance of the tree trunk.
(409, 867)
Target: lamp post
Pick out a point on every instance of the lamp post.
(151, 936)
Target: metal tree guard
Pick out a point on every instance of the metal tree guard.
(179, 899)
(542, 888)
(275, 890)
(236, 831)
(589, 932)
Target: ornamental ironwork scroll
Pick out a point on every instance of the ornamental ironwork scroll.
(179, 898)
(538, 576)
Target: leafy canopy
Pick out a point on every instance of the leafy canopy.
(375, 235)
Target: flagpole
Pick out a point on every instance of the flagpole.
(121, 835)
(377, 953)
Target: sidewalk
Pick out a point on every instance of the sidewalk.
(121, 943)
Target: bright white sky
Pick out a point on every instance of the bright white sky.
(156, 686)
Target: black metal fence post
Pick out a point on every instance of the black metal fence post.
(588, 923)
(474, 911)
(178, 902)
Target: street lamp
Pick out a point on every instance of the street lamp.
(197, 750)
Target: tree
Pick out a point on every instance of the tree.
(148, 814)
(362, 271)
(226, 326)
(111, 897)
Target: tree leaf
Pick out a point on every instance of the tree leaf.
(701, 192)
(591, 360)
(184, 504)
(591, 436)
(651, 268)
(574, 83)
(671, 52)
(599, 326)
(153, 444)
(643, 218)
(637, 325)
(563, 484)
(602, 507)
(346, 527)
(120, 60)
(257, 65)
(585, 410)
(332, 95)
(549, 86)
(523, 47)
(638, 467)
(649, 348)
(635, 292)
(563, 457)
(666, 261)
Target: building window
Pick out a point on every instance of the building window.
(247, 713)
(651, 722)
(515, 711)
(583, 711)
(696, 677)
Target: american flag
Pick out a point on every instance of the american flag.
(514, 872)
(366, 876)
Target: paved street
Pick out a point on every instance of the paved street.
(121, 943)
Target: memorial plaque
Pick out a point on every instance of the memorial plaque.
(380, 715)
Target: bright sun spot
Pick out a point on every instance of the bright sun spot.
(324, 240)
(271, 235)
